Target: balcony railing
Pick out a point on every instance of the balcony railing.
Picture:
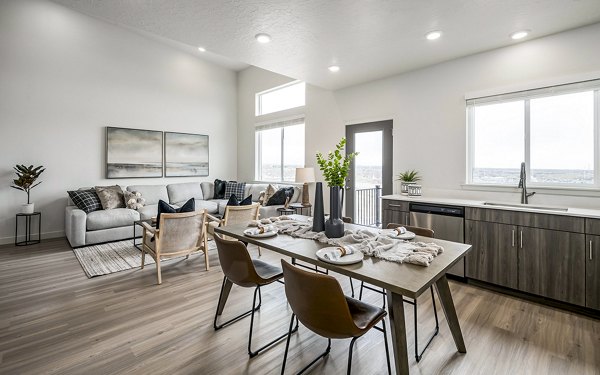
(367, 206)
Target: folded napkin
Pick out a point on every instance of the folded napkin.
(262, 229)
(337, 252)
(400, 230)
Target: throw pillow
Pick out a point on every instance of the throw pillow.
(110, 196)
(281, 196)
(271, 189)
(86, 200)
(261, 198)
(236, 188)
(165, 208)
(220, 189)
(233, 201)
(133, 199)
(246, 201)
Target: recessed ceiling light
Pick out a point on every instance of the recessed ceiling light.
(334, 68)
(263, 38)
(433, 35)
(519, 34)
(201, 49)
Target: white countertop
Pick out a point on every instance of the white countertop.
(577, 212)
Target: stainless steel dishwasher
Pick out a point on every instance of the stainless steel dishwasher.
(448, 223)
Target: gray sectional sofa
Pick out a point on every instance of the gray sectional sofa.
(116, 224)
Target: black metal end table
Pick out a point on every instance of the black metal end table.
(299, 207)
(28, 226)
(286, 211)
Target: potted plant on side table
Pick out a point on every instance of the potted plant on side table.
(25, 181)
(335, 170)
(407, 178)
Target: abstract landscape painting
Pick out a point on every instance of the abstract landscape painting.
(133, 153)
(186, 154)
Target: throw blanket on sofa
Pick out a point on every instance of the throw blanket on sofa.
(364, 240)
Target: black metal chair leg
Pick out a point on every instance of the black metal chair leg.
(362, 285)
(254, 353)
(287, 347)
(352, 287)
(419, 355)
(233, 320)
(350, 355)
(387, 350)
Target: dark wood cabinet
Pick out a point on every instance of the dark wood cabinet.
(592, 272)
(551, 264)
(494, 255)
(394, 212)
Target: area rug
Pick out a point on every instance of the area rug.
(104, 259)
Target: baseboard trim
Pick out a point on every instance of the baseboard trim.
(45, 235)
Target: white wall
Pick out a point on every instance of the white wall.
(428, 106)
(65, 76)
(428, 109)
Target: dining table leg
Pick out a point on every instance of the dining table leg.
(445, 295)
(398, 330)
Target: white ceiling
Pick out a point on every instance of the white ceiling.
(368, 39)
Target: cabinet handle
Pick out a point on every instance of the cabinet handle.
(513, 238)
(395, 205)
(521, 239)
(591, 249)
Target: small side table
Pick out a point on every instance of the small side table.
(28, 226)
(299, 207)
(286, 211)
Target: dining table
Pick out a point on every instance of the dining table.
(398, 279)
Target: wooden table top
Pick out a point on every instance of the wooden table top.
(407, 279)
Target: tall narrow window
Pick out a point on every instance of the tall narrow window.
(279, 150)
(554, 130)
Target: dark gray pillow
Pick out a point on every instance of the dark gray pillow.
(86, 200)
(280, 196)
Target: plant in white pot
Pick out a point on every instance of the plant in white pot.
(25, 181)
(335, 170)
(407, 178)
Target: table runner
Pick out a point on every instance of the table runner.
(365, 240)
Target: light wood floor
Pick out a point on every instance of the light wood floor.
(55, 320)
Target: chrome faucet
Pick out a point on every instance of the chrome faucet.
(523, 186)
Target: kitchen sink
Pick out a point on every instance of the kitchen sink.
(526, 206)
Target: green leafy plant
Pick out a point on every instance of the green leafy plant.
(409, 176)
(26, 177)
(336, 166)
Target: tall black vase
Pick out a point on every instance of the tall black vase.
(318, 211)
(334, 226)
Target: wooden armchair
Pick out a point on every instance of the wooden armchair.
(234, 215)
(179, 234)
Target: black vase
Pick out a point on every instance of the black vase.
(318, 211)
(334, 226)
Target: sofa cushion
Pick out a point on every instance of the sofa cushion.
(210, 206)
(184, 191)
(280, 196)
(254, 190)
(86, 200)
(297, 194)
(208, 190)
(151, 193)
(165, 208)
(117, 217)
(148, 211)
(111, 197)
(222, 203)
(268, 211)
(236, 188)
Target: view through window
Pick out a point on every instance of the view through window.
(553, 130)
(279, 152)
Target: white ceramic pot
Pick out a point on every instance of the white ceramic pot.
(404, 187)
(27, 208)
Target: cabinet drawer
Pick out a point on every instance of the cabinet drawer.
(592, 226)
(395, 205)
(527, 219)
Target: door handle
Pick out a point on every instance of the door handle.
(513, 238)
(521, 239)
(591, 250)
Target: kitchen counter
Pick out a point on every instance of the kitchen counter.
(576, 212)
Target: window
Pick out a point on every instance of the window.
(280, 98)
(279, 150)
(553, 130)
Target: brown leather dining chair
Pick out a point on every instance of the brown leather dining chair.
(319, 303)
(424, 232)
(240, 269)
